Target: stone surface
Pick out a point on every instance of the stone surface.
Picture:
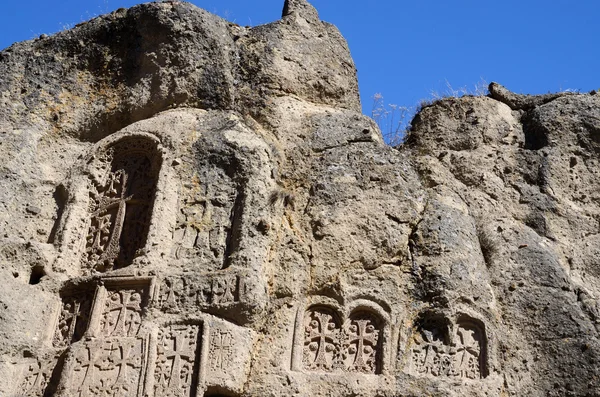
(194, 208)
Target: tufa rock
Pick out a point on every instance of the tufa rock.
(214, 217)
(301, 7)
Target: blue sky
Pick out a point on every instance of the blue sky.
(406, 50)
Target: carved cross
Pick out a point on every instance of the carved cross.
(124, 358)
(36, 377)
(87, 364)
(224, 290)
(322, 332)
(468, 351)
(181, 351)
(109, 214)
(364, 336)
(220, 347)
(122, 311)
(73, 316)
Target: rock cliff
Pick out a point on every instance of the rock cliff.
(194, 208)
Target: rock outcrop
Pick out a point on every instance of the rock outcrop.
(194, 208)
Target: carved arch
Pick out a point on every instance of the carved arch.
(442, 347)
(471, 343)
(110, 216)
(122, 193)
(330, 337)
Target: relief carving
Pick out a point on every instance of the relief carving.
(188, 292)
(436, 353)
(178, 292)
(209, 215)
(35, 377)
(469, 358)
(121, 205)
(221, 349)
(122, 312)
(322, 337)
(108, 367)
(361, 343)
(225, 289)
(354, 346)
(176, 371)
(73, 319)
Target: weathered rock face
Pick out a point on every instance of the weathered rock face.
(193, 208)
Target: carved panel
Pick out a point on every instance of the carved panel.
(110, 367)
(225, 289)
(361, 343)
(121, 202)
(73, 319)
(331, 344)
(221, 349)
(178, 292)
(470, 356)
(435, 353)
(322, 337)
(178, 356)
(210, 213)
(190, 292)
(35, 377)
(122, 312)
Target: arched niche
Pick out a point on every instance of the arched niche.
(430, 344)
(334, 338)
(209, 221)
(122, 193)
(363, 345)
(470, 341)
(110, 212)
(441, 347)
(322, 337)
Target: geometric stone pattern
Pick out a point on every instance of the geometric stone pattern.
(462, 356)
(352, 346)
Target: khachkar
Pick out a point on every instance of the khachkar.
(200, 209)
(125, 332)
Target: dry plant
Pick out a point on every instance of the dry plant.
(394, 121)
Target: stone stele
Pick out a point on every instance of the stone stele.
(194, 208)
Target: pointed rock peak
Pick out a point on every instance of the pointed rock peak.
(302, 7)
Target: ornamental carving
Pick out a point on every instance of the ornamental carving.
(221, 349)
(35, 376)
(73, 319)
(190, 292)
(322, 340)
(210, 215)
(361, 343)
(109, 367)
(437, 353)
(121, 201)
(122, 312)
(176, 370)
(354, 345)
